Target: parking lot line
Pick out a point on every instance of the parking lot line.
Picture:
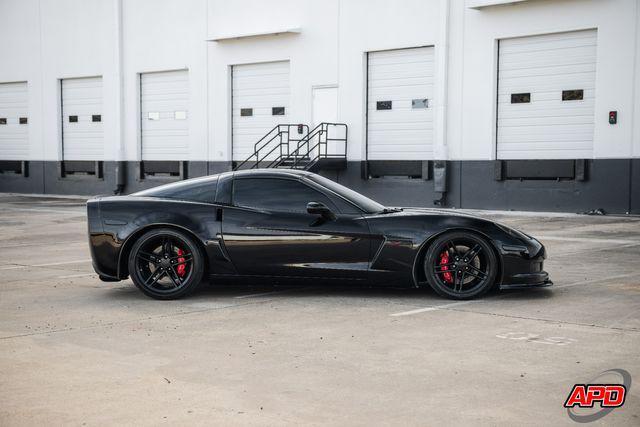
(69, 276)
(432, 308)
(49, 264)
(589, 240)
(604, 279)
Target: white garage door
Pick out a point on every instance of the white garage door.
(400, 104)
(260, 101)
(14, 135)
(82, 133)
(164, 98)
(546, 96)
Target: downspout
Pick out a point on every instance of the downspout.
(121, 164)
(441, 151)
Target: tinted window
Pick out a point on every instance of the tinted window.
(201, 190)
(363, 202)
(273, 194)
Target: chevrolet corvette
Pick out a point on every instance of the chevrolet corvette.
(266, 224)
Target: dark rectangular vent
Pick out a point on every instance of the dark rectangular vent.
(520, 98)
(538, 169)
(73, 119)
(573, 95)
(246, 112)
(23, 120)
(384, 105)
(96, 118)
(277, 111)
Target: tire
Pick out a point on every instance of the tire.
(460, 265)
(166, 264)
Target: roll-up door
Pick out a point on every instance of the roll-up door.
(82, 129)
(164, 98)
(400, 104)
(546, 96)
(260, 101)
(14, 123)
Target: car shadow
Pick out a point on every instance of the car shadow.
(207, 291)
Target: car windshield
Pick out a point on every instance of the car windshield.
(364, 203)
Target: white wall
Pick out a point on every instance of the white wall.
(163, 35)
(616, 22)
(312, 54)
(49, 40)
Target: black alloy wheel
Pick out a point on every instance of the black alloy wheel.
(460, 265)
(166, 264)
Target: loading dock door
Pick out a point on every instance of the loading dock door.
(82, 130)
(14, 123)
(164, 107)
(546, 96)
(260, 101)
(400, 104)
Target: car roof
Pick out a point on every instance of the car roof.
(292, 173)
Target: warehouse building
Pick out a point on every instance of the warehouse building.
(494, 104)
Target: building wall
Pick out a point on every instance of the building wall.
(119, 39)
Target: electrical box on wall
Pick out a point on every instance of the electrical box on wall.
(613, 117)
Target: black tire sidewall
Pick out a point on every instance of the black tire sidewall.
(197, 265)
(442, 290)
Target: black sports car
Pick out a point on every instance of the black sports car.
(289, 224)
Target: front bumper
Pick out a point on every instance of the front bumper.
(524, 268)
(528, 280)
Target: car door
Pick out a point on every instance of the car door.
(268, 231)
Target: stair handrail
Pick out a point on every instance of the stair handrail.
(320, 130)
(264, 142)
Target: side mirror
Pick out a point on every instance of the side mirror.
(317, 208)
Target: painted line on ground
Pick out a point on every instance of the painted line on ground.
(432, 308)
(48, 264)
(589, 240)
(19, 245)
(267, 293)
(13, 267)
(601, 280)
(77, 261)
(74, 212)
(69, 276)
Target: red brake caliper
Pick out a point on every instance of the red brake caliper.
(181, 267)
(444, 259)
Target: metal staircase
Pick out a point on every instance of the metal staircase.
(324, 146)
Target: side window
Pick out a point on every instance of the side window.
(274, 194)
(201, 190)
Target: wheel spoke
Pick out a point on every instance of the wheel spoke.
(461, 281)
(472, 253)
(476, 272)
(444, 268)
(167, 247)
(451, 247)
(147, 257)
(153, 279)
(185, 258)
(173, 275)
